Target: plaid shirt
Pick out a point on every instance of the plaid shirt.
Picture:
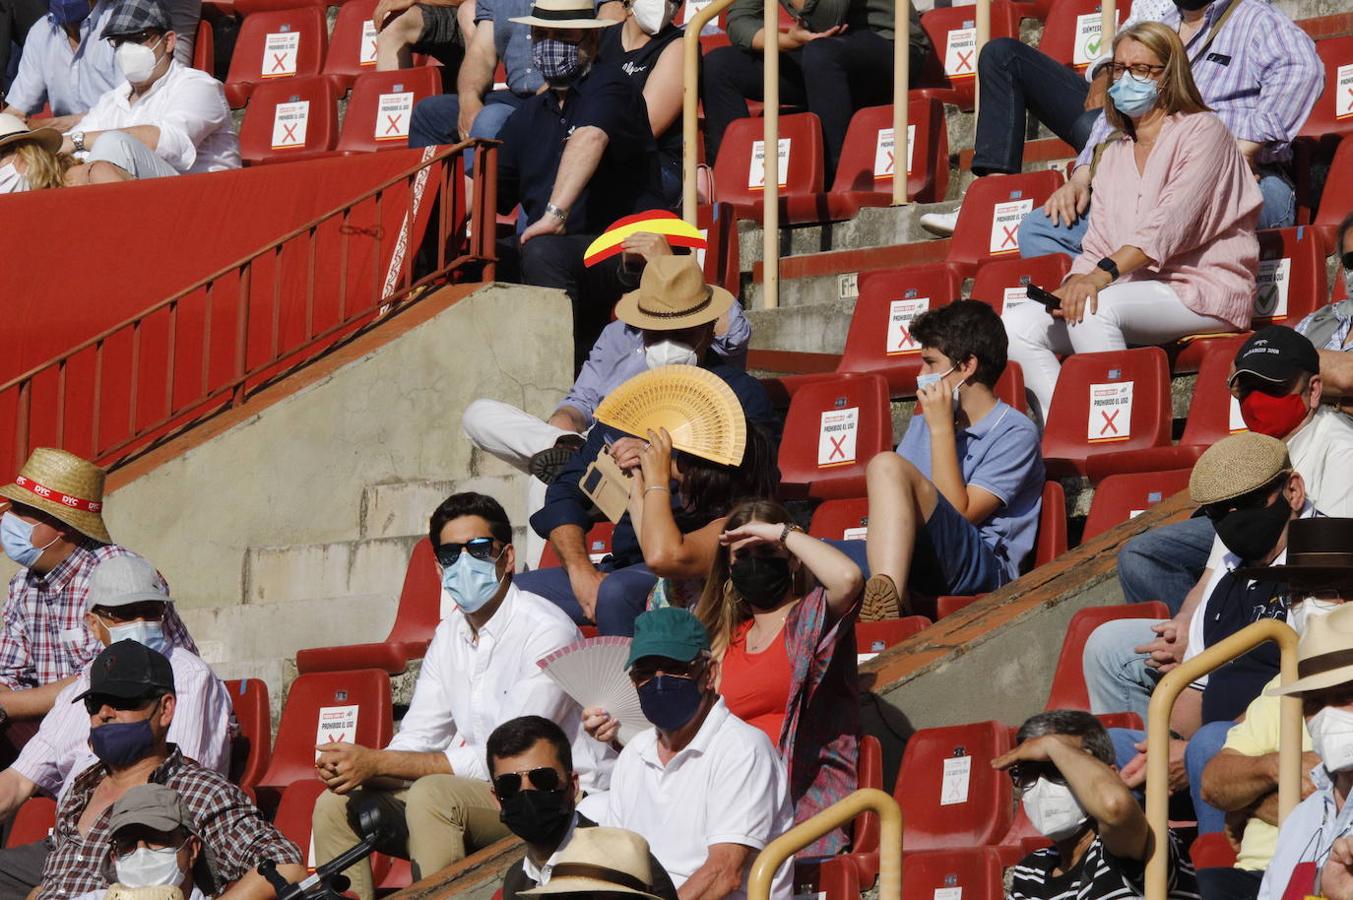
(44, 638)
(235, 836)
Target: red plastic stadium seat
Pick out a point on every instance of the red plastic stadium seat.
(875, 637)
(953, 34)
(33, 822)
(1068, 681)
(352, 45)
(738, 167)
(204, 48)
(1010, 387)
(950, 604)
(1121, 497)
(1004, 282)
(277, 129)
(275, 46)
(251, 751)
(979, 798)
(1052, 537)
(1333, 110)
(598, 546)
(1106, 402)
(295, 815)
(832, 430)
(976, 872)
(837, 879)
(381, 105)
(846, 519)
(1292, 280)
(719, 225)
(1212, 851)
(254, 7)
(993, 207)
(1338, 197)
(1072, 33)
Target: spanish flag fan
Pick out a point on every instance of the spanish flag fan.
(671, 226)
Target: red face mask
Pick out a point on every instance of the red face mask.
(1276, 417)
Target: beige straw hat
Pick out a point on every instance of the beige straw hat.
(600, 860)
(672, 295)
(1235, 466)
(1325, 654)
(65, 487)
(697, 408)
(13, 130)
(564, 14)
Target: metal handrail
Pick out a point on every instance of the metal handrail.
(690, 102)
(1158, 736)
(769, 860)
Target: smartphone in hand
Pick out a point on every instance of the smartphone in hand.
(1049, 300)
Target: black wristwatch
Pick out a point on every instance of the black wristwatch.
(1108, 265)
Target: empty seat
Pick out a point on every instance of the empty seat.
(1119, 498)
(872, 638)
(953, 34)
(251, 751)
(1052, 537)
(33, 822)
(1003, 283)
(1068, 680)
(952, 603)
(290, 120)
(416, 619)
(598, 546)
(1010, 387)
(1337, 199)
(1292, 280)
(846, 519)
(1333, 110)
(381, 106)
(295, 816)
(719, 260)
(950, 795)
(274, 46)
(832, 430)
(352, 45)
(992, 210)
(973, 874)
(739, 173)
(1212, 851)
(1072, 35)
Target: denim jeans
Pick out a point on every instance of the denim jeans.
(436, 120)
(1205, 744)
(623, 595)
(1116, 676)
(1166, 562)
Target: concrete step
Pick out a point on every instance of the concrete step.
(282, 575)
(401, 509)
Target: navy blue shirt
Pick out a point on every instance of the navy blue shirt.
(626, 180)
(566, 504)
(1234, 604)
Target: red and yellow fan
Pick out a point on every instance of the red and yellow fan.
(656, 221)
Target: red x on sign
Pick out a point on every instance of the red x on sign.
(838, 447)
(279, 62)
(888, 167)
(1011, 236)
(1108, 422)
(373, 47)
(290, 135)
(964, 61)
(906, 335)
(393, 127)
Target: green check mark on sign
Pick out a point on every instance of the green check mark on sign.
(1268, 299)
(1092, 46)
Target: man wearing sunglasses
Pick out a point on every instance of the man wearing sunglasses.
(479, 671)
(152, 843)
(1064, 776)
(1330, 328)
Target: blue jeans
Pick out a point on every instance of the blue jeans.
(1166, 562)
(436, 120)
(1205, 744)
(620, 599)
(1116, 676)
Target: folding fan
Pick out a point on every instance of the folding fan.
(592, 671)
(697, 408)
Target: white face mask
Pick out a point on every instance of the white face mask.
(147, 634)
(652, 16)
(136, 62)
(929, 379)
(1053, 809)
(1303, 612)
(669, 353)
(1332, 737)
(144, 867)
(11, 182)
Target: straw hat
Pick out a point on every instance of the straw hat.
(696, 407)
(564, 14)
(672, 295)
(1319, 555)
(601, 860)
(14, 131)
(65, 487)
(1325, 654)
(1235, 466)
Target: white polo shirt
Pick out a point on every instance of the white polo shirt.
(728, 786)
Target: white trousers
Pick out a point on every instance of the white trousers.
(514, 437)
(1135, 312)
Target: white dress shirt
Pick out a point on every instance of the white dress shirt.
(469, 685)
(727, 786)
(190, 109)
(72, 81)
(201, 727)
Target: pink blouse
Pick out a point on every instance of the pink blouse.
(1193, 210)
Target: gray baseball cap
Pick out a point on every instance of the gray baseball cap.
(153, 806)
(122, 581)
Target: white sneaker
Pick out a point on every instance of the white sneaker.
(941, 224)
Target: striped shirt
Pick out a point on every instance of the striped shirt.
(1260, 75)
(1098, 876)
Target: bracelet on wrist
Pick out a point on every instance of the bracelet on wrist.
(657, 487)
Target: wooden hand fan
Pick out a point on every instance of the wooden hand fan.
(592, 672)
(697, 408)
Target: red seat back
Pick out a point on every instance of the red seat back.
(1071, 34)
(420, 599)
(846, 519)
(1052, 539)
(381, 105)
(1333, 110)
(295, 816)
(993, 208)
(1010, 387)
(251, 750)
(1106, 402)
(719, 259)
(879, 340)
(869, 771)
(258, 59)
(950, 795)
(833, 428)
(255, 7)
(868, 163)
(737, 180)
(1122, 497)
(953, 34)
(352, 45)
(973, 873)
(1213, 412)
(1291, 279)
(1337, 199)
(598, 546)
(875, 637)
(33, 822)
(1068, 681)
(1003, 283)
(1212, 851)
(277, 127)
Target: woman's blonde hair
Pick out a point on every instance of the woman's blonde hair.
(42, 169)
(1178, 91)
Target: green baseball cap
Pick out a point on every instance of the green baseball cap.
(669, 632)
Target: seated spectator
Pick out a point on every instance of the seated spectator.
(1242, 779)
(433, 775)
(1063, 771)
(836, 58)
(54, 530)
(955, 509)
(131, 704)
(634, 343)
(126, 602)
(16, 18)
(435, 28)
(1262, 92)
(705, 789)
(606, 863)
(152, 842)
(1330, 328)
(66, 64)
(531, 769)
(28, 158)
(164, 119)
(1185, 263)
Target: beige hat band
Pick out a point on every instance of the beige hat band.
(661, 314)
(1325, 662)
(598, 873)
(57, 496)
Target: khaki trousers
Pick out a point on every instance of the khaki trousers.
(446, 816)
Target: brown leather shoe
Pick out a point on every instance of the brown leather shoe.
(881, 600)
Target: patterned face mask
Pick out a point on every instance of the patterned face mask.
(559, 62)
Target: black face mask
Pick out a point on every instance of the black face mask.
(1192, 5)
(1252, 534)
(538, 817)
(762, 581)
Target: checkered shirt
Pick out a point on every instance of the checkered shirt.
(44, 638)
(235, 836)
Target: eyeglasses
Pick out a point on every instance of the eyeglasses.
(643, 673)
(509, 784)
(96, 702)
(139, 37)
(125, 846)
(1026, 774)
(1141, 70)
(479, 548)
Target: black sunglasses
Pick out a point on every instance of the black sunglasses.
(479, 548)
(1259, 499)
(1348, 261)
(509, 784)
(96, 702)
(1026, 774)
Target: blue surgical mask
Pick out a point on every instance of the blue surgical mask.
(148, 634)
(471, 582)
(119, 744)
(16, 536)
(929, 379)
(1133, 96)
(69, 12)
(669, 701)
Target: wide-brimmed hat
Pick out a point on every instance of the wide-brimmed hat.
(697, 407)
(65, 487)
(1236, 466)
(1319, 554)
(600, 860)
(672, 295)
(564, 14)
(14, 130)
(1325, 654)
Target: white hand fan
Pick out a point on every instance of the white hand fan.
(592, 672)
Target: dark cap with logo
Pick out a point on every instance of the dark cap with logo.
(1276, 354)
(129, 670)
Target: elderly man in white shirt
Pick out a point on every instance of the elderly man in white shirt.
(479, 672)
(126, 601)
(163, 119)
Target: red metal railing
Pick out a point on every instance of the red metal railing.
(211, 346)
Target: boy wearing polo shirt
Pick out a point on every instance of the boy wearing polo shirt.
(705, 789)
(955, 509)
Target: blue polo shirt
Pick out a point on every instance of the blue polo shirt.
(999, 453)
(626, 181)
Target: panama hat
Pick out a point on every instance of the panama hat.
(672, 295)
(1325, 654)
(65, 487)
(1319, 554)
(697, 408)
(564, 14)
(14, 131)
(600, 860)
(1235, 466)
